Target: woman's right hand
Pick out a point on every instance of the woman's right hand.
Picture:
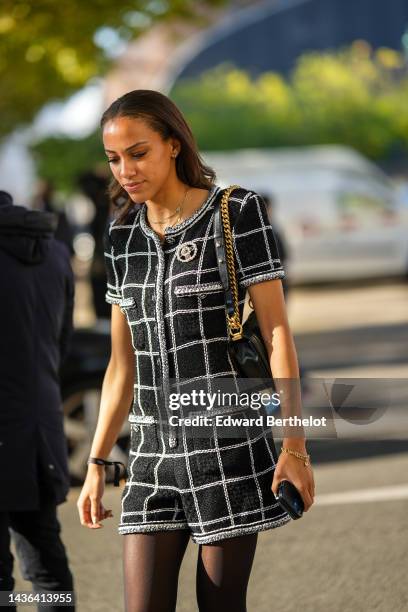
(116, 399)
(90, 507)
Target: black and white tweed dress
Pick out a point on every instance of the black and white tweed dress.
(173, 300)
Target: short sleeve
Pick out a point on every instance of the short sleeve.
(114, 291)
(255, 245)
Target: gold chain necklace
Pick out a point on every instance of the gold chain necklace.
(179, 209)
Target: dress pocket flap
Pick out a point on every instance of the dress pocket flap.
(127, 302)
(198, 289)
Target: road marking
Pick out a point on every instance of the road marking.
(363, 495)
(384, 370)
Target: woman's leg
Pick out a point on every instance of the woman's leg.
(151, 564)
(223, 571)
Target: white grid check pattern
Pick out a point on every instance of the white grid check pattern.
(175, 309)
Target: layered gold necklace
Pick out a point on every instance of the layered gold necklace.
(178, 210)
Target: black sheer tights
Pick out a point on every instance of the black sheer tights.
(152, 563)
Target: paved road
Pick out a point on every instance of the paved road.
(345, 555)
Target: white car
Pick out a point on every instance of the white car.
(336, 210)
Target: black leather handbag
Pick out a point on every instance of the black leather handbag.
(246, 345)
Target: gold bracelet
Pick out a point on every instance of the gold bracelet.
(302, 456)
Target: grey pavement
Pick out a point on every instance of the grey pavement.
(348, 556)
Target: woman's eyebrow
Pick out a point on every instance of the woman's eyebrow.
(131, 146)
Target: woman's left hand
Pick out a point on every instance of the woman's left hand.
(293, 469)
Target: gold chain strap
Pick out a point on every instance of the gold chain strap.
(233, 321)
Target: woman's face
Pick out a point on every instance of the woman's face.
(140, 160)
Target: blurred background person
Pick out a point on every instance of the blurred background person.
(36, 323)
(44, 200)
(95, 186)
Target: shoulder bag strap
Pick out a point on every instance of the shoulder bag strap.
(226, 265)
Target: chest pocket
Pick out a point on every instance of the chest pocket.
(200, 310)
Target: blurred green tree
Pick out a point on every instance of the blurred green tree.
(355, 96)
(51, 48)
(61, 160)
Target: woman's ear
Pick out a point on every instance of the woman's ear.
(175, 147)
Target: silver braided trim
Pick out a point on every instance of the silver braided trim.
(148, 231)
(112, 299)
(205, 539)
(144, 528)
(142, 419)
(205, 287)
(246, 282)
(146, 419)
(169, 231)
(130, 301)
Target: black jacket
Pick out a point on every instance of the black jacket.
(36, 305)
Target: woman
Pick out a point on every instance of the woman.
(168, 322)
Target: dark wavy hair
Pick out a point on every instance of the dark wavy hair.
(162, 116)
